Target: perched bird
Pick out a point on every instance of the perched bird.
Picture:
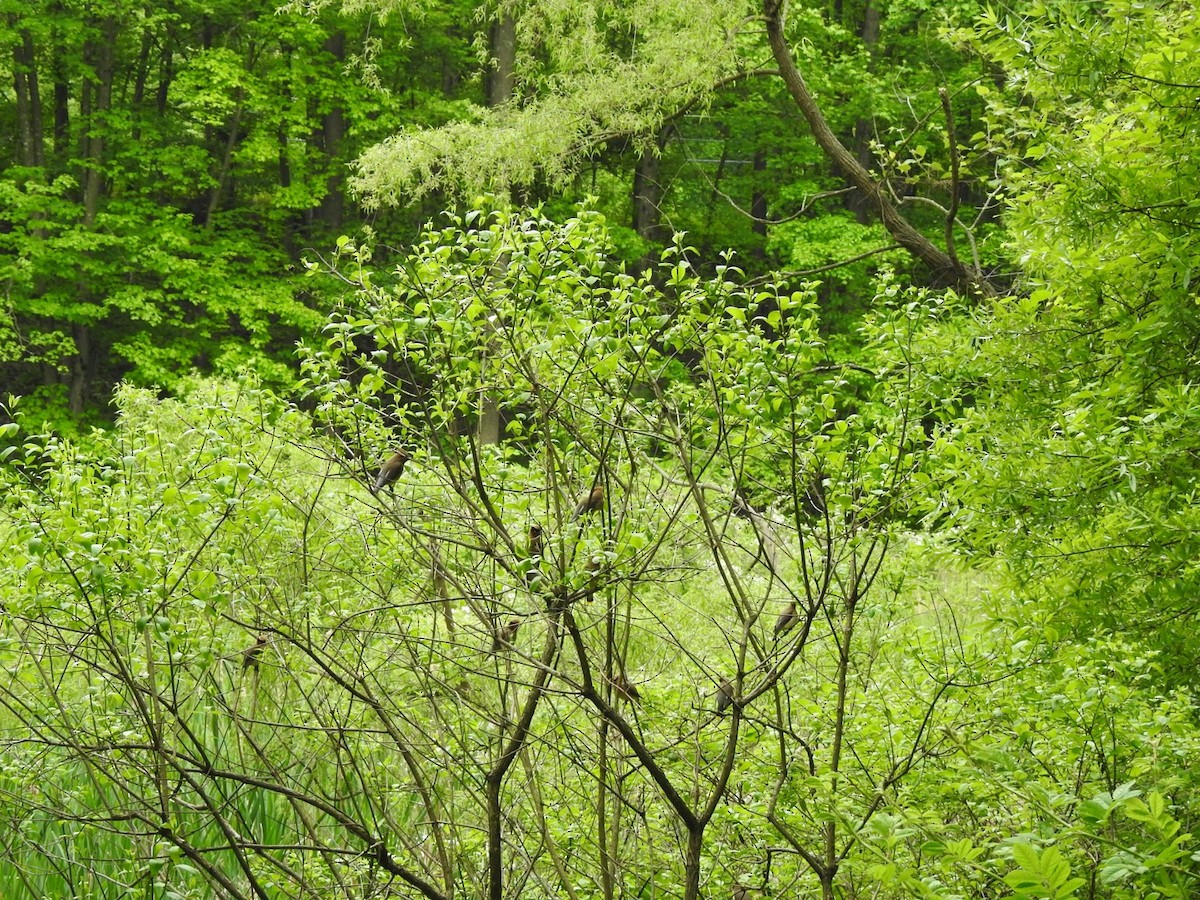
(741, 506)
(626, 689)
(787, 619)
(251, 654)
(724, 695)
(506, 634)
(740, 891)
(533, 573)
(593, 502)
(390, 470)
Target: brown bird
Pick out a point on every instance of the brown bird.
(534, 572)
(251, 654)
(593, 502)
(724, 695)
(787, 619)
(740, 891)
(741, 506)
(390, 471)
(506, 634)
(626, 688)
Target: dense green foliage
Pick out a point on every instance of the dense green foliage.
(694, 577)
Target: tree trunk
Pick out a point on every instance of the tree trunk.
(501, 84)
(502, 78)
(94, 103)
(31, 149)
(863, 126)
(758, 203)
(332, 209)
(224, 173)
(945, 270)
(647, 196)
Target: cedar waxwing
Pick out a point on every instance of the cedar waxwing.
(390, 470)
(593, 502)
(626, 689)
(724, 695)
(533, 573)
(506, 634)
(251, 654)
(787, 619)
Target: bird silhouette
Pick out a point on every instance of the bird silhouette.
(626, 688)
(787, 619)
(251, 654)
(593, 502)
(506, 634)
(534, 572)
(390, 471)
(724, 695)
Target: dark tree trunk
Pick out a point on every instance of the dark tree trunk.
(648, 194)
(502, 78)
(31, 149)
(758, 203)
(863, 127)
(501, 84)
(332, 209)
(944, 268)
(95, 101)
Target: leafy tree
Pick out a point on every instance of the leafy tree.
(593, 80)
(1075, 458)
(163, 169)
(263, 674)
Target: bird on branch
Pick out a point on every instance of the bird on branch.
(536, 549)
(787, 619)
(593, 502)
(251, 654)
(390, 471)
(724, 695)
(626, 688)
(506, 634)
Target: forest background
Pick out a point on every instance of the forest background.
(797, 428)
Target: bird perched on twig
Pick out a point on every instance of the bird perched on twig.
(505, 634)
(390, 471)
(724, 695)
(534, 572)
(593, 502)
(787, 619)
(626, 688)
(251, 654)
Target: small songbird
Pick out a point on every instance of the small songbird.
(533, 573)
(251, 654)
(593, 502)
(390, 471)
(506, 634)
(724, 695)
(787, 619)
(626, 688)
(741, 506)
